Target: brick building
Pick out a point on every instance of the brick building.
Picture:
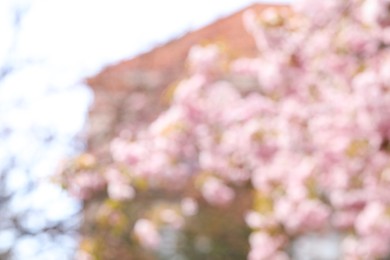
(123, 91)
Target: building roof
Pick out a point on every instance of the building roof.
(167, 62)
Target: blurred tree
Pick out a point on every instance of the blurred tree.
(28, 151)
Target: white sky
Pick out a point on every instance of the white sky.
(88, 33)
(67, 40)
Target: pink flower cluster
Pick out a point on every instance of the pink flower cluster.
(311, 136)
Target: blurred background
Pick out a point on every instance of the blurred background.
(48, 49)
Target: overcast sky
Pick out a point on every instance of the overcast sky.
(85, 34)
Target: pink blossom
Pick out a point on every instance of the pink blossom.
(375, 12)
(374, 247)
(262, 254)
(120, 191)
(246, 66)
(264, 246)
(189, 206)
(345, 219)
(256, 220)
(172, 218)
(373, 220)
(188, 96)
(365, 248)
(85, 184)
(217, 193)
(147, 234)
(305, 215)
(113, 175)
(204, 59)
(82, 255)
(125, 151)
(384, 70)
(168, 123)
(320, 12)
